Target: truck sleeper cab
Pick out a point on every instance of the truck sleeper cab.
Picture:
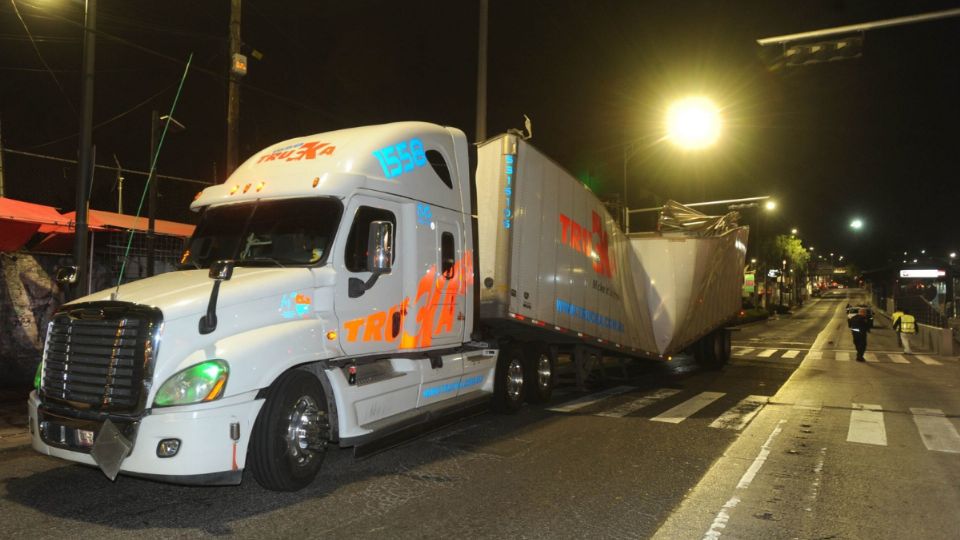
(345, 317)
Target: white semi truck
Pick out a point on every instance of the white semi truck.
(354, 286)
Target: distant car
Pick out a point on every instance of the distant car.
(853, 310)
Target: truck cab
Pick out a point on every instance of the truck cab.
(325, 296)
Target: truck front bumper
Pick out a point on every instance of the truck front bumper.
(208, 453)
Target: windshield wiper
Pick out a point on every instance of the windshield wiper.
(260, 259)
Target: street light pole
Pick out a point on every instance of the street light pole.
(84, 166)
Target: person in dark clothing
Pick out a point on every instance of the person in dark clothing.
(859, 327)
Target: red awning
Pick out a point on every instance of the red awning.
(99, 220)
(20, 220)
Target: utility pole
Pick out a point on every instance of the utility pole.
(84, 167)
(482, 72)
(1, 159)
(233, 98)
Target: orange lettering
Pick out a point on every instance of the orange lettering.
(353, 328)
(374, 328)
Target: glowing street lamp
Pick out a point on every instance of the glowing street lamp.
(793, 231)
(693, 123)
(856, 224)
(770, 205)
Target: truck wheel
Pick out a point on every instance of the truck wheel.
(508, 387)
(539, 373)
(289, 438)
(709, 351)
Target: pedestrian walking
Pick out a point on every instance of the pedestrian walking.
(906, 327)
(859, 327)
(896, 317)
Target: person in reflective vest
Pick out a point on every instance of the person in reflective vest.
(859, 327)
(894, 318)
(906, 327)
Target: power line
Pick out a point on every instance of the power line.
(40, 56)
(107, 167)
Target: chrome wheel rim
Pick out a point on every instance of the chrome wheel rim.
(303, 436)
(514, 379)
(544, 372)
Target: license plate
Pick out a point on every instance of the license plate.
(85, 437)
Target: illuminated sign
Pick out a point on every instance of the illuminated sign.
(925, 273)
(401, 158)
(299, 151)
(294, 306)
(593, 243)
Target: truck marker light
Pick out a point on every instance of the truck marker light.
(234, 189)
(316, 181)
(246, 188)
(197, 196)
(332, 335)
(260, 186)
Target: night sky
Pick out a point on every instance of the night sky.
(873, 137)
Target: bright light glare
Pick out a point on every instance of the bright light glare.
(857, 224)
(770, 205)
(693, 123)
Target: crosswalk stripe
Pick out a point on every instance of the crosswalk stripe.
(842, 356)
(684, 410)
(815, 355)
(927, 360)
(767, 353)
(898, 358)
(935, 429)
(588, 400)
(740, 415)
(743, 351)
(870, 357)
(639, 403)
(866, 425)
(791, 354)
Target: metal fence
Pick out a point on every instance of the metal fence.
(922, 310)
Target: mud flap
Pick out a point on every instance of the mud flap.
(110, 449)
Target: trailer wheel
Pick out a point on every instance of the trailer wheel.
(713, 349)
(508, 382)
(539, 373)
(289, 438)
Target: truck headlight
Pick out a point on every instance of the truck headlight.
(202, 382)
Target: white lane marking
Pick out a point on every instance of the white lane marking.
(639, 403)
(898, 358)
(684, 410)
(741, 414)
(871, 357)
(723, 517)
(842, 356)
(792, 353)
(767, 353)
(935, 429)
(588, 400)
(927, 360)
(866, 425)
(815, 355)
(742, 351)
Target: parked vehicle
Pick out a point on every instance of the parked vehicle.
(353, 286)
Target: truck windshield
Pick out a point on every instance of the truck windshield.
(288, 232)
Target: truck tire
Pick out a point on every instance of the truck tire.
(508, 381)
(539, 373)
(713, 350)
(289, 438)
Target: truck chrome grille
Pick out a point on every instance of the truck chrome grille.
(99, 356)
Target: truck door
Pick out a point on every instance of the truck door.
(371, 322)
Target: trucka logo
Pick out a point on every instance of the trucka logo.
(294, 305)
(596, 249)
(296, 152)
(434, 309)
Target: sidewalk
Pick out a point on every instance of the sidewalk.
(14, 432)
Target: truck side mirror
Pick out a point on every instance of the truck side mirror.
(67, 275)
(220, 271)
(379, 257)
(380, 247)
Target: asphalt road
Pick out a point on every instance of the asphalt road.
(660, 454)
